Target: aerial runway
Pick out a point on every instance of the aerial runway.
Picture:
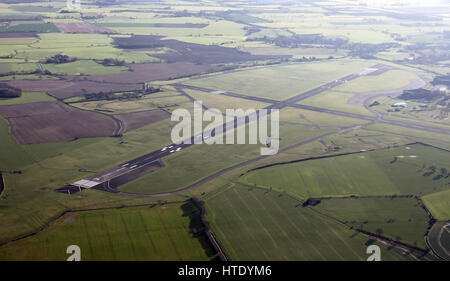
(109, 180)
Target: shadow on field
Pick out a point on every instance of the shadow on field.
(198, 229)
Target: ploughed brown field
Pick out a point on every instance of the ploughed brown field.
(136, 120)
(187, 52)
(81, 27)
(39, 85)
(40, 122)
(76, 88)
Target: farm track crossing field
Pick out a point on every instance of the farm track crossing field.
(414, 169)
(259, 225)
(137, 233)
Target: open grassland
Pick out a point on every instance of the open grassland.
(259, 225)
(415, 169)
(140, 233)
(27, 97)
(389, 80)
(401, 219)
(336, 101)
(439, 204)
(211, 100)
(281, 82)
(440, 140)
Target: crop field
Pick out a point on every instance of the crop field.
(139, 233)
(259, 225)
(414, 169)
(281, 82)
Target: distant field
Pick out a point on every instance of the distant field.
(281, 82)
(140, 233)
(166, 100)
(383, 172)
(223, 103)
(26, 98)
(83, 67)
(397, 218)
(389, 80)
(260, 225)
(6, 67)
(30, 27)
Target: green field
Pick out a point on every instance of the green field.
(83, 67)
(439, 204)
(211, 100)
(336, 101)
(27, 97)
(402, 170)
(259, 225)
(389, 80)
(281, 82)
(401, 219)
(138, 233)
